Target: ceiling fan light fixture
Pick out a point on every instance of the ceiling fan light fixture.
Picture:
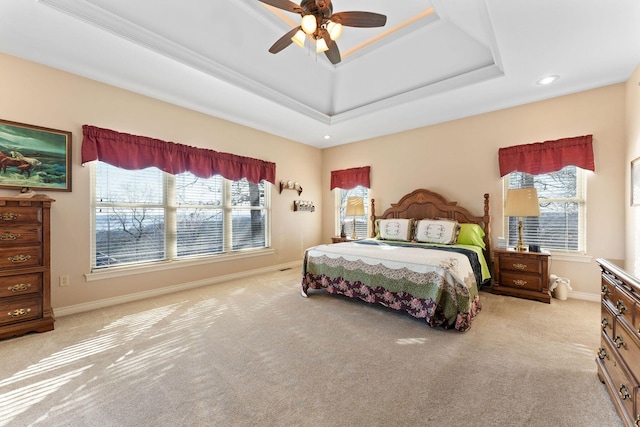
(321, 46)
(309, 24)
(299, 38)
(335, 30)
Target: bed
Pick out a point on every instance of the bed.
(426, 256)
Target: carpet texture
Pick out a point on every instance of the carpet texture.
(254, 352)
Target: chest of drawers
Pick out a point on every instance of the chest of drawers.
(25, 290)
(618, 358)
(522, 274)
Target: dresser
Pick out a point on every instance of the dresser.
(522, 274)
(25, 288)
(618, 357)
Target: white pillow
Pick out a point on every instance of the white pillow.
(396, 229)
(444, 231)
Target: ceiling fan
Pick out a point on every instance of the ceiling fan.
(321, 25)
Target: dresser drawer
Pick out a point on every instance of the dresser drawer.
(19, 215)
(608, 288)
(607, 318)
(16, 257)
(521, 263)
(20, 235)
(19, 309)
(628, 346)
(623, 385)
(20, 284)
(625, 304)
(520, 281)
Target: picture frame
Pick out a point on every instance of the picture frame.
(34, 157)
(635, 182)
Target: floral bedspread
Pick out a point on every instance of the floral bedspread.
(431, 284)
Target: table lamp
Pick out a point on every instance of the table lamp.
(522, 202)
(355, 207)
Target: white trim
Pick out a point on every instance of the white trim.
(571, 257)
(112, 272)
(108, 302)
(585, 296)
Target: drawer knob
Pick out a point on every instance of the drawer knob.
(605, 290)
(602, 354)
(20, 287)
(604, 323)
(519, 282)
(621, 307)
(619, 341)
(624, 392)
(19, 258)
(18, 312)
(520, 266)
(9, 236)
(638, 420)
(8, 216)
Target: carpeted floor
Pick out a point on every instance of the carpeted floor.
(254, 352)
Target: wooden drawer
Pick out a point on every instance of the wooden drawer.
(520, 281)
(19, 309)
(623, 386)
(20, 235)
(10, 214)
(607, 319)
(608, 288)
(21, 284)
(624, 304)
(18, 257)
(521, 263)
(628, 346)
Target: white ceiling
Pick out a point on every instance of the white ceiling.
(434, 61)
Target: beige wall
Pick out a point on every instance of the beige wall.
(43, 96)
(633, 152)
(459, 159)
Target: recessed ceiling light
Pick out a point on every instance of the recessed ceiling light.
(547, 80)
(327, 137)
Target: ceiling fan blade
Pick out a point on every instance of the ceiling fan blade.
(287, 5)
(333, 54)
(359, 19)
(283, 41)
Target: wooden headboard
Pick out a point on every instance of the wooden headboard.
(421, 204)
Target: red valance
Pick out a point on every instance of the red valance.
(140, 152)
(351, 178)
(549, 156)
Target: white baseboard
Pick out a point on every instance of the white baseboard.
(584, 296)
(108, 302)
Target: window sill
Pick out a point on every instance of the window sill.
(112, 272)
(571, 257)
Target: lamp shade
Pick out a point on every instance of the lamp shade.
(299, 38)
(355, 206)
(522, 202)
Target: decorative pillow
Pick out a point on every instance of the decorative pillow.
(471, 234)
(444, 231)
(396, 229)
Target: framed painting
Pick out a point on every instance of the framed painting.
(635, 182)
(34, 157)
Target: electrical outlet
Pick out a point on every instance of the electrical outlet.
(64, 280)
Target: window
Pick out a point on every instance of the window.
(147, 215)
(561, 224)
(341, 218)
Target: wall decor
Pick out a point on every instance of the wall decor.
(34, 157)
(290, 185)
(303, 205)
(635, 182)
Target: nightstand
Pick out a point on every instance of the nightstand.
(522, 274)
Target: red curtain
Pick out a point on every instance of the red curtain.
(351, 178)
(548, 156)
(139, 152)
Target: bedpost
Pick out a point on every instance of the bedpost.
(373, 217)
(487, 230)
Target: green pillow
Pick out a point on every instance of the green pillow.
(471, 234)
